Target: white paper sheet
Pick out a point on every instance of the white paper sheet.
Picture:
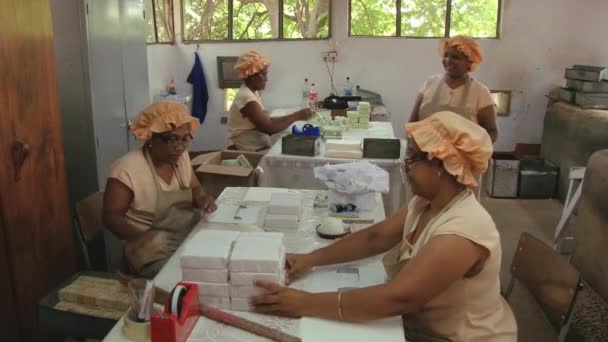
(320, 330)
(256, 195)
(230, 213)
(332, 279)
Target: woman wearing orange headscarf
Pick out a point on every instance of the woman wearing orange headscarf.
(444, 251)
(456, 90)
(249, 125)
(152, 196)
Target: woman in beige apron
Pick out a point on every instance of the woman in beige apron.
(456, 91)
(249, 124)
(443, 259)
(173, 219)
(152, 198)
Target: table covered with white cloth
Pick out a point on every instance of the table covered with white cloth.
(296, 172)
(330, 278)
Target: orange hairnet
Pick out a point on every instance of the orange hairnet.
(250, 63)
(162, 117)
(462, 145)
(466, 45)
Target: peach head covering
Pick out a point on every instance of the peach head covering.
(250, 63)
(462, 145)
(162, 117)
(466, 45)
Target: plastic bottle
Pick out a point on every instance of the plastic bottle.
(171, 88)
(305, 92)
(348, 87)
(312, 98)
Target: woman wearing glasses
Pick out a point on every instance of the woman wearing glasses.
(249, 125)
(152, 192)
(443, 251)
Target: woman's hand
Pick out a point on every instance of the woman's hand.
(280, 300)
(297, 264)
(304, 114)
(205, 202)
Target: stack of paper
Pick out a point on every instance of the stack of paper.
(205, 262)
(343, 148)
(284, 210)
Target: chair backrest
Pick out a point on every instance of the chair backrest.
(548, 276)
(88, 214)
(589, 316)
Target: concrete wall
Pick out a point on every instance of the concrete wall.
(571, 135)
(538, 40)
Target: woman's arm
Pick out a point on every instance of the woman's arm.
(444, 260)
(199, 198)
(262, 121)
(415, 115)
(487, 119)
(116, 200)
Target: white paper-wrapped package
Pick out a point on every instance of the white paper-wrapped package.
(354, 178)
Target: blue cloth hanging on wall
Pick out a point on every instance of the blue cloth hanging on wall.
(200, 95)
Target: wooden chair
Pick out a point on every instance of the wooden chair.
(587, 322)
(548, 276)
(89, 229)
(89, 233)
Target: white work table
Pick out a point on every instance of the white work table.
(301, 240)
(280, 170)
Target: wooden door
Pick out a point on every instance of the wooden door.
(10, 327)
(33, 194)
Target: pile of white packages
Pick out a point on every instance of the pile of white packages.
(225, 264)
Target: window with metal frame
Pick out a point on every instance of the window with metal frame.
(160, 27)
(252, 20)
(424, 18)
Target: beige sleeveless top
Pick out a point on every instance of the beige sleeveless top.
(242, 133)
(471, 309)
(133, 170)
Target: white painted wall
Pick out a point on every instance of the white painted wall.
(539, 39)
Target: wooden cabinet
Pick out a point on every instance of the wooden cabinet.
(36, 241)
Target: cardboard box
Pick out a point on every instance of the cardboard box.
(215, 177)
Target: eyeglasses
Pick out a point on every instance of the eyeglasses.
(260, 74)
(407, 163)
(173, 141)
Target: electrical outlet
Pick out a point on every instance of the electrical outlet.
(330, 56)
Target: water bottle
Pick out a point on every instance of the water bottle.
(348, 87)
(305, 92)
(171, 88)
(312, 98)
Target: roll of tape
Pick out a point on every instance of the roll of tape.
(175, 304)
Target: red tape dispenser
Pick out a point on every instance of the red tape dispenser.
(180, 315)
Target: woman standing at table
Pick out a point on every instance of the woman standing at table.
(249, 125)
(456, 90)
(152, 195)
(444, 251)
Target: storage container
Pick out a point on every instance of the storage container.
(502, 175)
